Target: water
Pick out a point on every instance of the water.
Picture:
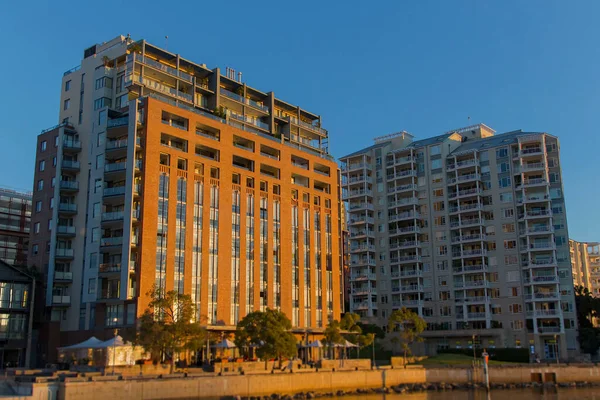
(512, 394)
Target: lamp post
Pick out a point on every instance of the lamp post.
(474, 356)
(115, 332)
(556, 344)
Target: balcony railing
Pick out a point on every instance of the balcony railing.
(70, 164)
(64, 229)
(63, 276)
(112, 216)
(71, 144)
(542, 296)
(64, 253)
(69, 185)
(56, 299)
(111, 241)
(113, 167)
(306, 125)
(109, 268)
(466, 238)
(113, 191)
(113, 123)
(243, 100)
(116, 144)
(548, 329)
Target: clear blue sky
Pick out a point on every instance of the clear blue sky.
(369, 68)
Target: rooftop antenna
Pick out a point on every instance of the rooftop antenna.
(166, 43)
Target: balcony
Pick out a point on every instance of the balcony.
(360, 206)
(534, 199)
(464, 179)
(476, 315)
(467, 208)
(161, 67)
(546, 296)
(469, 238)
(362, 234)
(61, 300)
(65, 231)
(402, 174)
(63, 276)
(362, 277)
(67, 208)
(305, 125)
(409, 259)
(355, 193)
(540, 247)
(541, 280)
(115, 123)
(407, 244)
(549, 329)
(470, 253)
(405, 230)
(361, 220)
(113, 191)
(466, 269)
(65, 254)
(362, 248)
(70, 165)
(356, 166)
(532, 151)
(111, 241)
(71, 145)
(403, 216)
(463, 164)
(357, 179)
(69, 186)
(115, 167)
(362, 262)
(160, 87)
(254, 121)
(469, 284)
(473, 299)
(465, 193)
(108, 295)
(528, 183)
(109, 268)
(538, 230)
(240, 99)
(401, 160)
(533, 167)
(407, 201)
(542, 263)
(402, 188)
(466, 222)
(411, 288)
(363, 291)
(116, 144)
(411, 274)
(360, 306)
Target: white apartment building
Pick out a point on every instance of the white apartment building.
(469, 230)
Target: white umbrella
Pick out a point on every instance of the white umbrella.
(315, 344)
(349, 344)
(90, 343)
(114, 342)
(225, 344)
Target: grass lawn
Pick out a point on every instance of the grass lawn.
(456, 359)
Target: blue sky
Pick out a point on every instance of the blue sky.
(369, 68)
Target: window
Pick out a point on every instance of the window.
(496, 309)
(504, 182)
(436, 164)
(52, 202)
(100, 161)
(438, 206)
(42, 165)
(103, 82)
(40, 185)
(102, 117)
(500, 153)
(98, 185)
(442, 265)
(96, 210)
(35, 248)
(442, 250)
(43, 146)
(95, 235)
(506, 197)
(100, 140)
(435, 150)
(491, 246)
(36, 227)
(438, 192)
(53, 181)
(555, 193)
(436, 178)
(67, 104)
(511, 259)
(92, 286)
(67, 86)
(557, 209)
(554, 177)
(440, 236)
(508, 228)
(513, 291)
(443, 280)
(512, 276)
(445, 311)
(517, 325)
(443, 295)
(54, 161)
(503, 167)
(93, 260)
(38, 206)
(102, 102)
(515, 308)
(508, 213)
(439, 221)
(494, 293)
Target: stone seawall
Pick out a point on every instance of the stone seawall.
(323, 381)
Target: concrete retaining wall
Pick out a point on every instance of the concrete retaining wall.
(323, 381)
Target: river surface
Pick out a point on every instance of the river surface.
(592, 393)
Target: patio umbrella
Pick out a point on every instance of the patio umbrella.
(224, 344)
(90, 343)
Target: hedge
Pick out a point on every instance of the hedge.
(501, 354)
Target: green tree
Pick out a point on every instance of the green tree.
(409, 326)
(588, 308)
(333, 335)
(270, 332)
(168, 327)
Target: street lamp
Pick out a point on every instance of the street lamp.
(556, 344)
(474, 356)
(115, 333)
